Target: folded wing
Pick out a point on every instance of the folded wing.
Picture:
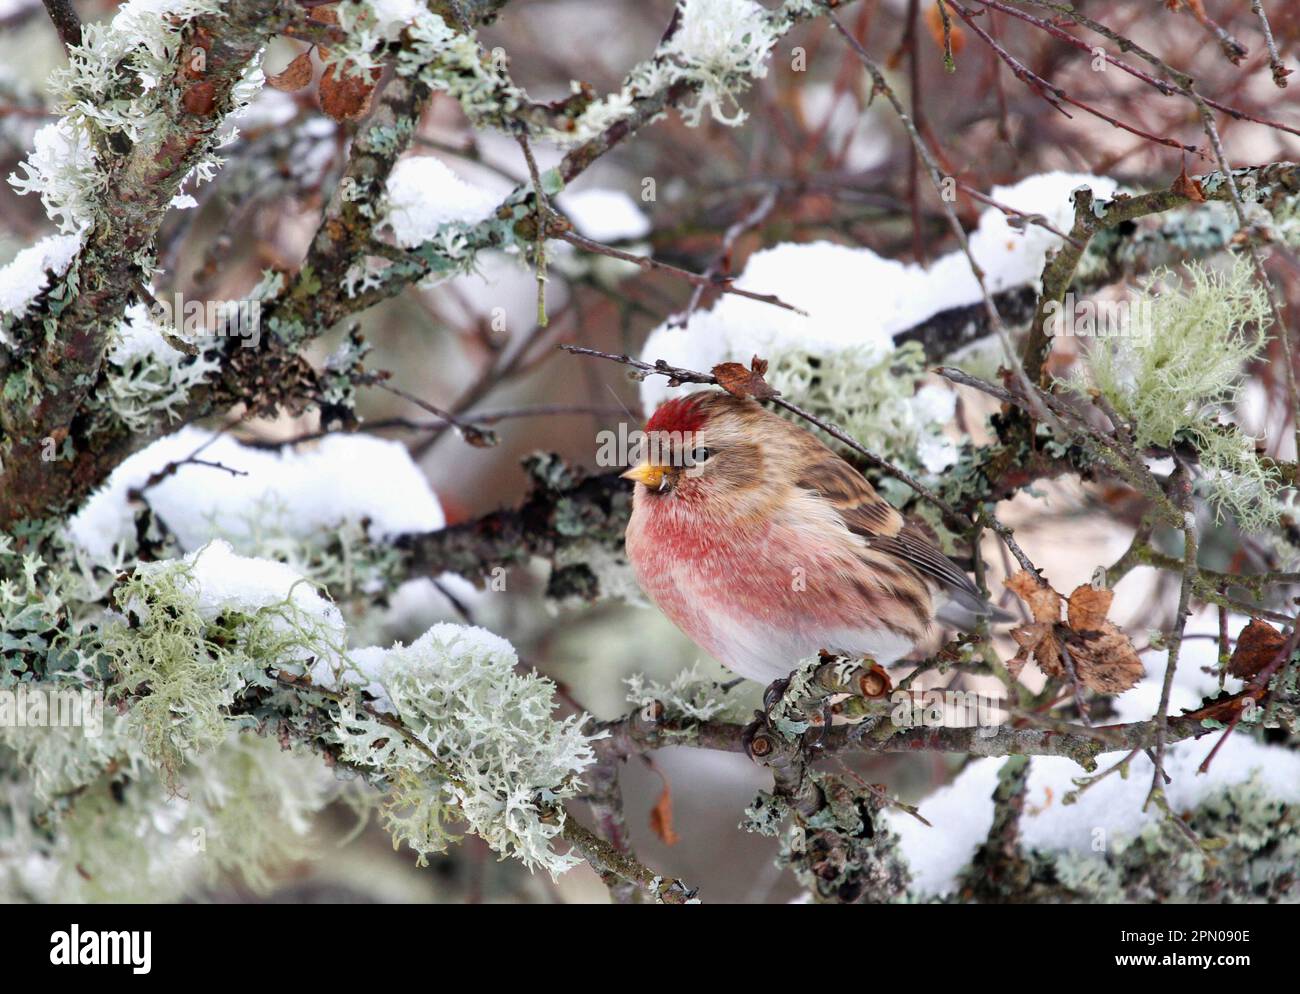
(868, 514)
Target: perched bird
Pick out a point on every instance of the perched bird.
(764, 546)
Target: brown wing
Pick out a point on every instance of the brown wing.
(868, 514)
(863, 510)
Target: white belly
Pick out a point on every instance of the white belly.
(763, 653)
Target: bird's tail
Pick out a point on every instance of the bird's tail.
(963, 610)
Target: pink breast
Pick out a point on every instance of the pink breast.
(756, 573)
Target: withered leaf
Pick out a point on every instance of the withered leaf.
(1257, 647)
(742, 382)
(1103, 657)
(661, 817)
(294, 76)
(479, 438)
(1039, 640)
(1105, 660)
(346, 97)
(1087, 608)
(1190, 188)
(1043, 602)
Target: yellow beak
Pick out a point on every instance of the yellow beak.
(648, 474)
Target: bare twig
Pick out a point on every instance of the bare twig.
(475, 435)
(723, 259)
(66, 21)
(681, 375)
(1280, 72)
(1180, 486)
(715, 280)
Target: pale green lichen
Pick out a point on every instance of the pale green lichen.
(688, 696)
(1176, 381)
(874, 398)
(62, 759)
(456, 736)
(481, 746)
(343, 560)
(721, 45)
(1253, 855)
(111, 88)
(719, 48)
(454, 63)
(46, 605)
(245, 808)
(181, 670)
(844, 852)
(146, 385)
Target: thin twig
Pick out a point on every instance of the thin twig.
(1280, 72)
(542, 213)
(477, 436)
(66, 22)
(681, 375)
(723, 259)
(1180, 486)
(722, 283)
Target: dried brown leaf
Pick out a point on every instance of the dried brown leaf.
(347, 97)
(479, 438)
(1257, 647)
(1088, 607)
(1038, 639)
(1188, 187)
(294, 76)
(1105, 660)
(740, 381)
(661, 817)
(1043, 602)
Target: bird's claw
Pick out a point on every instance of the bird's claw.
(815, 737)
(772, 696)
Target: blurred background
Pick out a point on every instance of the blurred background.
(835, 166)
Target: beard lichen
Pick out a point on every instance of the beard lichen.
(1176, 381)
(181, 668)
(875, 398)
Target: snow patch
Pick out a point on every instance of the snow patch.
(604, 215)
(855, 298)
(340, 478)
(962, 812)
(27, 276)
(424, 194)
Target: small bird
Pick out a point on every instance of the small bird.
(765, 547)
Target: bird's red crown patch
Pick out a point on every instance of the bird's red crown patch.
(683, 414)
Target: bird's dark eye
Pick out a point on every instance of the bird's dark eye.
(699, 455)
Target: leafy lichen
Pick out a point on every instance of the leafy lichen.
(482, 746)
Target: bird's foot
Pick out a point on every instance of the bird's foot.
(792, 712)
(815, 738)
(773, 694)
